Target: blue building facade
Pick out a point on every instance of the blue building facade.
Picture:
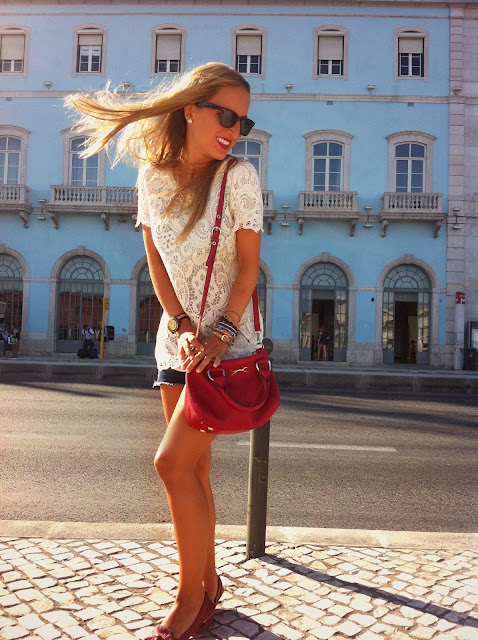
(352, 146)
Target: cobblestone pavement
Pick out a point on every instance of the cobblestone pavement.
(120, 589)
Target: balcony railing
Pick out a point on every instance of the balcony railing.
(328, 201)
(108, 196)
(414, 203)
(14, 194)
(15, 198)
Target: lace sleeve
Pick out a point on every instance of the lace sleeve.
(143, 209)
(245, 197)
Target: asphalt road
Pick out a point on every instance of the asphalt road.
(72, 452)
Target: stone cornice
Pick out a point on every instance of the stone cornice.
(262, 97)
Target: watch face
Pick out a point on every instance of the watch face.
(173, 325)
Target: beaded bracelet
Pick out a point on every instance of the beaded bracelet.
(225, 320)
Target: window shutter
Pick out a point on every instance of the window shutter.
(95, 39)
(331, 47)
(13, 46)
(410, 45)
(249, 45)
(168, 46)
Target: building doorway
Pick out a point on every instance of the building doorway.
(405, 332)
(323, 313)
(80, 301)
(406, 316)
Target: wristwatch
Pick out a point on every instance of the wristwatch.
(175, 321)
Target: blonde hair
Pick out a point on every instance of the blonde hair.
(154, 129)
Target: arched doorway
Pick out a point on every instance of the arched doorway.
(149, 313)
(323, 304)
(406, 315)
(11, 292)
(80, 301)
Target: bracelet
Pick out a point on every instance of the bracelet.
(228, 311)
(226, 327)
(224, 320)
(224, 337)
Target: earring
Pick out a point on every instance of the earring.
(190, 121)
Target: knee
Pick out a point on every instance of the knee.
(168, 467)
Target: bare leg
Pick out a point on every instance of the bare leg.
(176, 463)
(170, 395)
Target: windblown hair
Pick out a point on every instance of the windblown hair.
(154, 129)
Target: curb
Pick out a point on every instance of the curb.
(288, 377)
(295, 536)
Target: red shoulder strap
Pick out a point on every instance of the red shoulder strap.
(212, 256)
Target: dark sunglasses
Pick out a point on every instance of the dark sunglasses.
(228, 117)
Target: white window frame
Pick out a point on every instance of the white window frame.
(331, 30)
(250, 30)
(89, 29)
(68, 136)
(167, 29)
(16, 30)
(18, 132)
(262, 138)
(411, 33)
(411, 137)
(327, 135)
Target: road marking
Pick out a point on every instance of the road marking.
(336, 447)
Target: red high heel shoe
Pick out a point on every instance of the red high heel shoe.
(208, 622)
(205, 612)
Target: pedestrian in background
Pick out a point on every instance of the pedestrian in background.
(183, 136)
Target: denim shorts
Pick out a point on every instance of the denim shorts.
(170, 377)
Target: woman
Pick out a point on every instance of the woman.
(185, 134)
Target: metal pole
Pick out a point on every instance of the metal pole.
(257, 499)
(258, 477)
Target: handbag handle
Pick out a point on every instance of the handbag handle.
(212, 256)
(221, 385)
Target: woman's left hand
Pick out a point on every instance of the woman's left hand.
(213, 351)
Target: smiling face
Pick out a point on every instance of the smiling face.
(206, 138)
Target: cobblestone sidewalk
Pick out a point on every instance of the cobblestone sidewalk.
(96, 589)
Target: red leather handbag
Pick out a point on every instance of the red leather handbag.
(242, 393)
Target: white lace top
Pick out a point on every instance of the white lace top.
(186, 262)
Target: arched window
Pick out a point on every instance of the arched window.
(323, 306)
(149, 314)
(255, 149)
(80, 299)
(83, 172)
(328, 166)
(328, 160)
(406, 315)
(10, 152)
(78, 171)
(11, 292)
(13, 154)
(410, 162)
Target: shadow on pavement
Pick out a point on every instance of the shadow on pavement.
(373, 592)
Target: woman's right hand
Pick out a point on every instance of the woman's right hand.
(188, 345)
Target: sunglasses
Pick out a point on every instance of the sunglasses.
(228, 117)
